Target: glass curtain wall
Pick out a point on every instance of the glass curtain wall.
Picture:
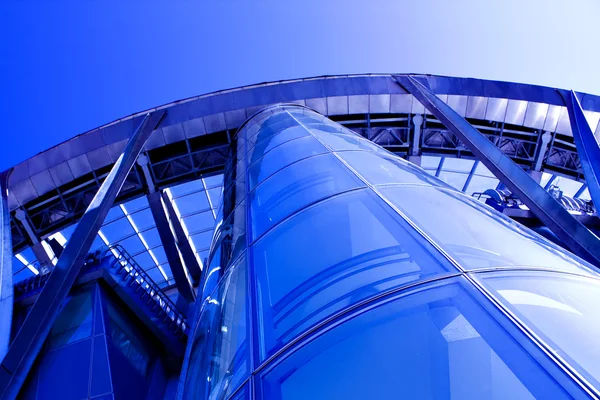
(339, 270)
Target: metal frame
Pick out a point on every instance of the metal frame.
(587, 145)
(6, 272)
(180, 274)
(570, 231)
(181, 239)
(30, 338)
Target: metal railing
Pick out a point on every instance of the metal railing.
(128, 269)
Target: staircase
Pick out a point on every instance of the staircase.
(135, 288)
(131, 277)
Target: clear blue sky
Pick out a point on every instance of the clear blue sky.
(67, 68)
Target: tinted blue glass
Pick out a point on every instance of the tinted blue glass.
(297, 186)
(338, 141)
(220, 360)
(331, 256)
(277, 139)
(282, 156)
(437, 343)
(74, 321)
(477, 236)
(242, 394)
(561, 309)
(380, 168)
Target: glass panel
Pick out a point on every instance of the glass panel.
(329, 257)
(436, 343)
(127, 339)
(132, 245)
(187, 188)
(430, 162)
(215, 180)
(74, 321)
(344, 141)
(561, 309)
(568, 186)
(480, 184)
(476, 236)
(283, 156)
(156, 275)
(137, 204)
(152, 238)
(215, 196)
(219, 361)
(192, 203)
(267, 144)
(483, 171)
(160, 255)
(585, 195)
(378, 168)
(199, 222)
(454, 179)
(457, 164)
(143, 219)
(145, 261)
(545, 178)
(117, 230)
(297, 186)
(113, 214)
(202, 240)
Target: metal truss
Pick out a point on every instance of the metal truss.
(194, 158)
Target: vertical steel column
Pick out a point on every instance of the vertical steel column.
(536, 172)
(30, 338)
(182, 281)
(189, 257)
(6, 272)
(415, 151)
(570, 231)
(587, 145)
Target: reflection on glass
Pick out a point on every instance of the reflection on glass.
(297, 186)
(127, 339)
(380, 168)
(331, 256)
(437, 343)
(74, 321)
(283, 156)
(561, 309)
(219, 362)
(474, 235)
(339, 141)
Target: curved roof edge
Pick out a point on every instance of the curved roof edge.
(73, 161)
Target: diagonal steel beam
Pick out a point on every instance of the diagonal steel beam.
(587, 145)
(183, 243)
(182, 281)
(576, 236)
(6, 272)
(30, 338)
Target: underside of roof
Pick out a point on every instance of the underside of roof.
(187, 154)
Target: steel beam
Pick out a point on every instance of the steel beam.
(182, 280)
(470, 177)
(41, 255)
(587, 145)
(570, 231)
(6, 272)
(188, 255)
(32, 334)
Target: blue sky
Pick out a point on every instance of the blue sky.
(70, 67)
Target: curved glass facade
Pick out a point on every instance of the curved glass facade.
(339, 270)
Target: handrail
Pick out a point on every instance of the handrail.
(147, 284)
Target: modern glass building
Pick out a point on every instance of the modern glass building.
(347, 237)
